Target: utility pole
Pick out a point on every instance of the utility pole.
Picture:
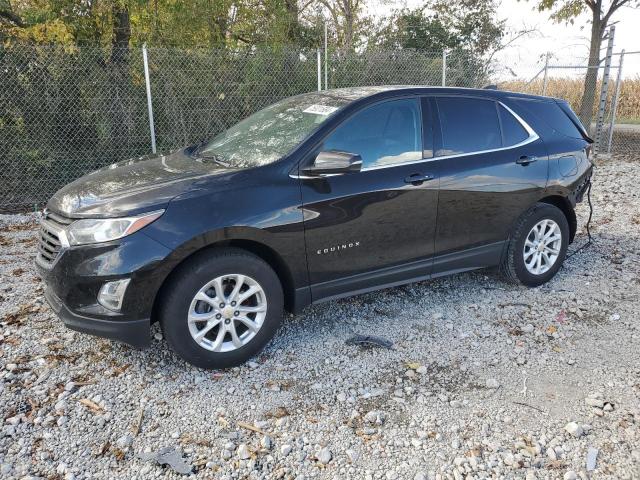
(546, 74)
(614, 108)
(604, 90)
(326, 58)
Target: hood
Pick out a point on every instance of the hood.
(133, 186)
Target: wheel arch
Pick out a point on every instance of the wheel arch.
(565, 206)
(259, 249)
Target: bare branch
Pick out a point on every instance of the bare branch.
(522, 33)
(13, 18)
(613, 8)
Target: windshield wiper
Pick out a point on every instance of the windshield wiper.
(212, 157)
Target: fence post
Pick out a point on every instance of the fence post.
(614, 108)
(326, 59)
(444, 68)
(546, 74)
(604, 90)
(319, 71)
(147, 82)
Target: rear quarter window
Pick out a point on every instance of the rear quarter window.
(551, 113)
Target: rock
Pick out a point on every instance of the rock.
(324, 456)
(125, 441)
(592, 456)
(570, 475)
(243, 452)
(551, 453)
(374, 417)
(13, 420)
(285, 449)
(226, 454)
(509, 459)
(352, 455)
(265, 442)
(574, 429)
(168, 456)
(528, 328)
(594, 402)
(492, 383)
(422, 369)
(420, 476)
(608, 407)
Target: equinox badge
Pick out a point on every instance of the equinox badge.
(337, 248)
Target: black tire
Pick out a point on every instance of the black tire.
(513, 266)
(190, 278)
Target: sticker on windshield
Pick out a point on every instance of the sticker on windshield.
(320, 109)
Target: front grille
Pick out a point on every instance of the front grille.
(50, 242)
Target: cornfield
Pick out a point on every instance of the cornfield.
(571, 90)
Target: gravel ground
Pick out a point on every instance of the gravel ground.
(486, 379)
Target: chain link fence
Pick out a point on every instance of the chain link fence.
(620, 135)
(65, 112)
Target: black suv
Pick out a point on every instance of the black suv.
(316, 197)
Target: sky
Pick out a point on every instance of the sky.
(567, 44)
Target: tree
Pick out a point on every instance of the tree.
(458, 25)
(346, 15)
(601, 12)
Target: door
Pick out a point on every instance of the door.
(492, 168)
(376, 226)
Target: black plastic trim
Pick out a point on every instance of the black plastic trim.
(132, 332)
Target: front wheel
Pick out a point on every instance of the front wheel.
(537, 247)
(221, 308)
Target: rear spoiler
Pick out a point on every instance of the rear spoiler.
(564, 106)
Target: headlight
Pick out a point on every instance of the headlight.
(86, 231)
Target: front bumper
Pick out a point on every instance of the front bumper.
(131, 332)
(73, 281)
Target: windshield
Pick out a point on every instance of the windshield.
(271, 133)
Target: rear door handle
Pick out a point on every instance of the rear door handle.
(524, 160)
(418, 178)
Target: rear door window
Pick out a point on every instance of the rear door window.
(468, 125)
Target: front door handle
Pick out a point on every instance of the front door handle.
(418, 178)
(525, 160)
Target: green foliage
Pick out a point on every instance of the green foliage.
(461, 25)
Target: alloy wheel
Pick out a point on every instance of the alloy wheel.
(542, 246)
(227, 313)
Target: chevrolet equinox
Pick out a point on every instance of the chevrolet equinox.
(316, 197)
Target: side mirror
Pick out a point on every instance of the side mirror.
(334, 162)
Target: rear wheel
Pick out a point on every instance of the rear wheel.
(221, 308)
(537, 247)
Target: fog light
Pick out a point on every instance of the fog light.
(112, 293)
